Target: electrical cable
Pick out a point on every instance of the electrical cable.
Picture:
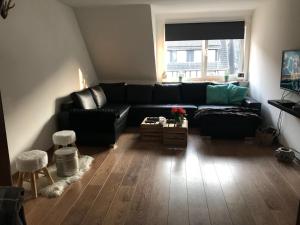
(279, 124)
(280, 116)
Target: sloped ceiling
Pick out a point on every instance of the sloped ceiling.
(120, 41)
(183, 4)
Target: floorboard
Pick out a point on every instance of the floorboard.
(159, 202)
(141, 200)
(211, 182)
(238, 209)
(115, 159)
(219, 214)
(178, 203)
(197, 202)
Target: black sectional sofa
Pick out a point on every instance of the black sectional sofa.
(99, 114)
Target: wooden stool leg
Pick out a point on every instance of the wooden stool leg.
(20, 179)
(47, 174)
(298, 218)
(33, 185)
(37, 176)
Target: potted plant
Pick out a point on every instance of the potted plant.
(226, 76)
(179, 115)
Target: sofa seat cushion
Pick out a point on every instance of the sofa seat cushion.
(84, 99)
(114, 92)
(139, 94)
(138, 112)
(217, 107)
(164, 106)
(119, 110)
(105, 119)
(166, 94)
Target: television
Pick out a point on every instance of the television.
(290, 70)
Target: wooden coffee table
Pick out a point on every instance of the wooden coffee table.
(151, 131)
(169, 133)
(174, 135)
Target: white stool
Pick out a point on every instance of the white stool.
(30, 164)
(66, 160)
(64, 138)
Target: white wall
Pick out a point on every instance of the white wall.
(41, 52)
(275, 28)
(120, 41)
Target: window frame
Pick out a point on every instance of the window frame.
(204, 63)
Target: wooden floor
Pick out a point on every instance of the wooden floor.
(212, 182)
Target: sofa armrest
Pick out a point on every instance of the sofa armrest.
(92, 120)
(94, 114)
(67, 106)
(251, 103)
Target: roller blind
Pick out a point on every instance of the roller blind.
(205, 31)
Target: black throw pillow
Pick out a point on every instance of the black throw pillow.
(84, 99)
(99, 96)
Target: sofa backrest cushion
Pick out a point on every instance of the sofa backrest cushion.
(166, 94)
(114, 92)
(84, 99)
(139, 94)
(99, 96)
(194, 93)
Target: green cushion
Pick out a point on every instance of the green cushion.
(217, 94)
(236, 94)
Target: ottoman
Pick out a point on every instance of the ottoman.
(227, 122)
(66, 160)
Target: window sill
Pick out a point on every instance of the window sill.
(219, 79)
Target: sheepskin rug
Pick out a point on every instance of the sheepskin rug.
(61, 183)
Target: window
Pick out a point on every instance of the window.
(212, 58)
(190, 55)
(198, 56)
(188, 63)
(181, 56)
(172, 57)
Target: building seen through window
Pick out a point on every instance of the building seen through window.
(186, 59)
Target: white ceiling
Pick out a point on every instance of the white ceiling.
(162, 6)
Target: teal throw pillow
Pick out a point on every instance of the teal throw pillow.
(217, 94)
(236, 94)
